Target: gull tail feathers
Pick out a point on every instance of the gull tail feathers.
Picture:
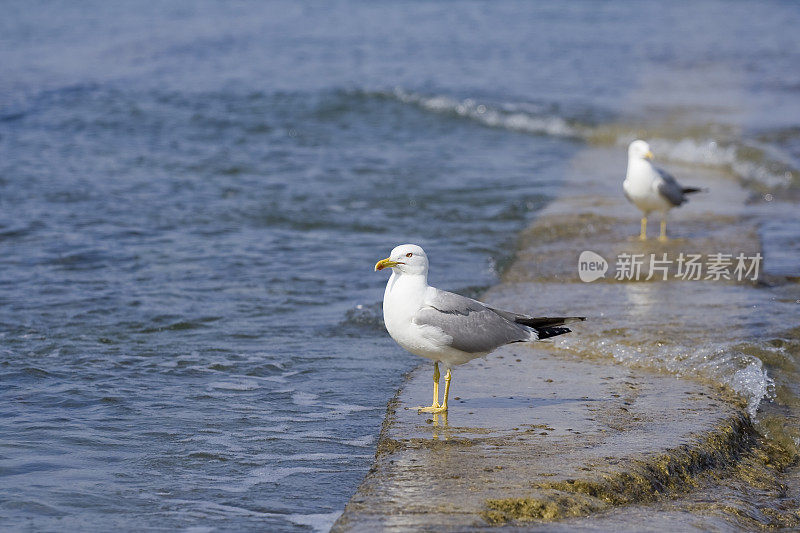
(547, 321)
(689, 190)
(543, 327)
(548, 326)
(546, 333)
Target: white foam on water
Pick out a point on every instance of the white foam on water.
(268, 474)
(307, 435)
(506, 116)
(318, 522)
(304, 398)
(772, 170)
(343, 409)
(218, 509)
(360, 442)
(725, 364)
(216, 443)
(274, 379)
(239, 385)
(280, 428)
(320, 456)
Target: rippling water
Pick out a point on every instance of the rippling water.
(192, 196)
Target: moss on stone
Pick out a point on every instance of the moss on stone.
(552, 508)
(639, 482)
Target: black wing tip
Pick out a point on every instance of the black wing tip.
(545, 322)
(690, 190)
(546, 333)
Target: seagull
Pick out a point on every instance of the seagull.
(446, 327)
(650, 188)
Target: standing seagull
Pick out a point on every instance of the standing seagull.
(446, 327)
(651, 189)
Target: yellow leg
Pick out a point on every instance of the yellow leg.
(663, 236)
(643, 232)
(436, 408)
(446, 390)
(435, 384)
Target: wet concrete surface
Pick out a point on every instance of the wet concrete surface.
(525, 419)
(548, 435)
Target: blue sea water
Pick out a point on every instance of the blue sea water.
(193, 195)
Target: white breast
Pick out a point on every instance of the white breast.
(404, 296)
(640, 185)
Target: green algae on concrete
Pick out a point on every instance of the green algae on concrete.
(639, 481)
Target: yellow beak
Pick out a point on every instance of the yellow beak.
(386, 263)
(648, 155)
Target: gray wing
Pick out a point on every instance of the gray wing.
(669, 188)
(473, 327)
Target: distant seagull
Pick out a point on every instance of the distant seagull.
(446, 327)
(650, 188)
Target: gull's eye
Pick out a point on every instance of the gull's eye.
(409, 254)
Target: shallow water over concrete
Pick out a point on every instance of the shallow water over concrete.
(525, 421)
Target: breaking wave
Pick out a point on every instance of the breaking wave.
(757, 164)
(514, 117)
(727, 365)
